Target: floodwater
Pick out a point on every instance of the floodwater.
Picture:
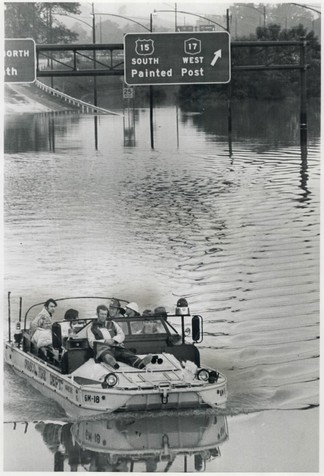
(232, 224)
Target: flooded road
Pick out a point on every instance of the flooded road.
(232, 225)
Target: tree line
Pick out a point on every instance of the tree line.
(40, 21)
(274, 84)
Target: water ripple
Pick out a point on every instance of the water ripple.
(237, 236)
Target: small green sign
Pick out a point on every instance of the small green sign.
(19, 60)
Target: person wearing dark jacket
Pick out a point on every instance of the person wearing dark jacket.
(106, 338)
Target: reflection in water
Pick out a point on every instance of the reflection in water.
(36, 132)
(96, 131)
(133, 442)
(304, 173)
(51, 133)
(129, 127)
(26, 132)
(250, 122)
(268, 124)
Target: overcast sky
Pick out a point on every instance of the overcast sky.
(141, 10)
(145, 8)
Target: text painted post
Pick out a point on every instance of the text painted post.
(177, 58)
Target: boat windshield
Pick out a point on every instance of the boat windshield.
(147, 327)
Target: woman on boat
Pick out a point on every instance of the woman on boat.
(70, 319)
(106, 338)
(132, 309)
(42, 337)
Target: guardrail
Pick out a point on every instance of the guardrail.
(84, 106)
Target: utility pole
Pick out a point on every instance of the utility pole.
(95, 98)
(151, 97)
(229, 90)
(51, 40)
(303, 91)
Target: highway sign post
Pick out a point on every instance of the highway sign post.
(177, 58)
(20, 60)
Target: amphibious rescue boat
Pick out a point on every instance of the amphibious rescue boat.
(69, 373)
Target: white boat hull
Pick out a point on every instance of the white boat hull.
(90, 399)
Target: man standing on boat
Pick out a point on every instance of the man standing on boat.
(106, 338)
(45, 316)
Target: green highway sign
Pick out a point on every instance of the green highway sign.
(177, 58)
(19, 60)
(185, 28)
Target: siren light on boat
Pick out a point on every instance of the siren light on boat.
(182, 308)
(18, 333)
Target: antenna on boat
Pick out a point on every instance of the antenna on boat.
(20, 307)
(18, 333)
(9, 316)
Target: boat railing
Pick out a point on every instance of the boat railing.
(70, 299)
(196, 321)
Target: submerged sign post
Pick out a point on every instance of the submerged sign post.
(177, 58)
(20, 60)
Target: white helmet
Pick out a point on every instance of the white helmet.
(133, 306)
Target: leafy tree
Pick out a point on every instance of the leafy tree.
(39, 21)
(245, 17)
(276, 84)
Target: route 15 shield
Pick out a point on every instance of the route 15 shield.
(144, 47)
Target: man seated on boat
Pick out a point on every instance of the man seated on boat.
(45, 315)
(106, 338)
(161, 311)
(147, 327)
(115, 309)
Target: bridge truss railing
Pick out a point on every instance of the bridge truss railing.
(108, 59)
(80, 60)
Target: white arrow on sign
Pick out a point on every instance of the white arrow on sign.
(217, 54)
